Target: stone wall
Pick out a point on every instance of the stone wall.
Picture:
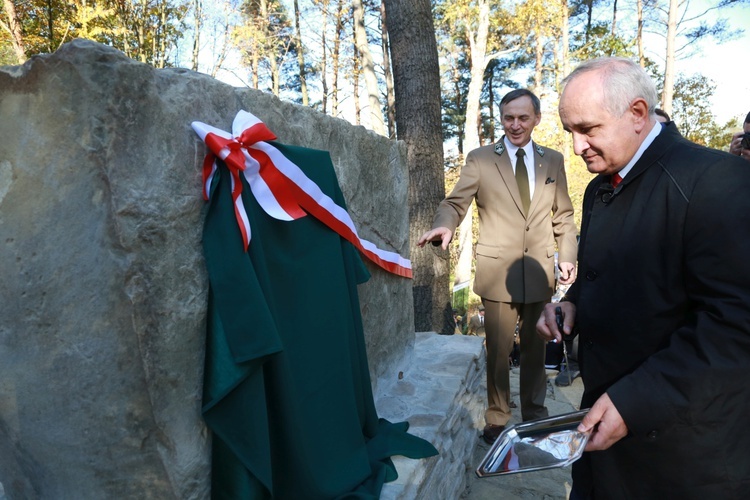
(103, 290)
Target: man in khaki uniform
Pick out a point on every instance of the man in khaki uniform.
(522, 218)
(476, 323)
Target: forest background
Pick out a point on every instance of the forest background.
(428, 72)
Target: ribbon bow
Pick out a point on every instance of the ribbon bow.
(280, 187)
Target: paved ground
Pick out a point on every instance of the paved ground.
(545, 484)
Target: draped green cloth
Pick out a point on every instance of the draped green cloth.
(287, 390)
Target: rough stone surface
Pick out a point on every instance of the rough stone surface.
(441, 395)
(103, 296)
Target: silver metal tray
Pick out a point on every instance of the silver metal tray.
(545, 443)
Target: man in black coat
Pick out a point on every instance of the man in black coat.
(662, 303)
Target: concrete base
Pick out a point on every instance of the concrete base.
(441, 394)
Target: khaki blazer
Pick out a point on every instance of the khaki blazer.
(515, 252)
(476, 326)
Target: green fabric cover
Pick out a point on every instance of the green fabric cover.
(287, 389)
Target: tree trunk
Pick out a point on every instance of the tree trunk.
(336, 63)
(368, 69)
(221, 54)
(538, 59)
(141, 32)
(614, 17)
(478, 54)
(491, 105)
(457, 92)
(300, 56)
(416, 75)
(565, 66)
(355, 79)
(198, 7)
(271, 54)
(564, 37)
(390, 98)
(462, 272)
(50, 26)
(666, 98)
(162, 32)
(14, 28)
(324, 57)
(124, 14)
(255, 57)
(639, 35)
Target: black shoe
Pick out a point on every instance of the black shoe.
(567, 375)
(491, 432)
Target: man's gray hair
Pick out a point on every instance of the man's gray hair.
(623, 80)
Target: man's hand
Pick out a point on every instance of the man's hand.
(546, 327)
(605, 424)
(442, 234)
(567, 272)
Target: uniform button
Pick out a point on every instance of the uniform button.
(526, 250)
(527, 228)
(591, 275)
(653, 434)
(589, 344)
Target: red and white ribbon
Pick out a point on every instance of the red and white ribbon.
(280, 187)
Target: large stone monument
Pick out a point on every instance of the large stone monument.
(103, 292)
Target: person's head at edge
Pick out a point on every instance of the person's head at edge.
(608, 106)
(737, 145)
(520, 112)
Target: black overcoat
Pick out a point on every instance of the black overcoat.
(663, 311)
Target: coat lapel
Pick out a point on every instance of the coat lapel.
(668, 137)
(541, 174)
